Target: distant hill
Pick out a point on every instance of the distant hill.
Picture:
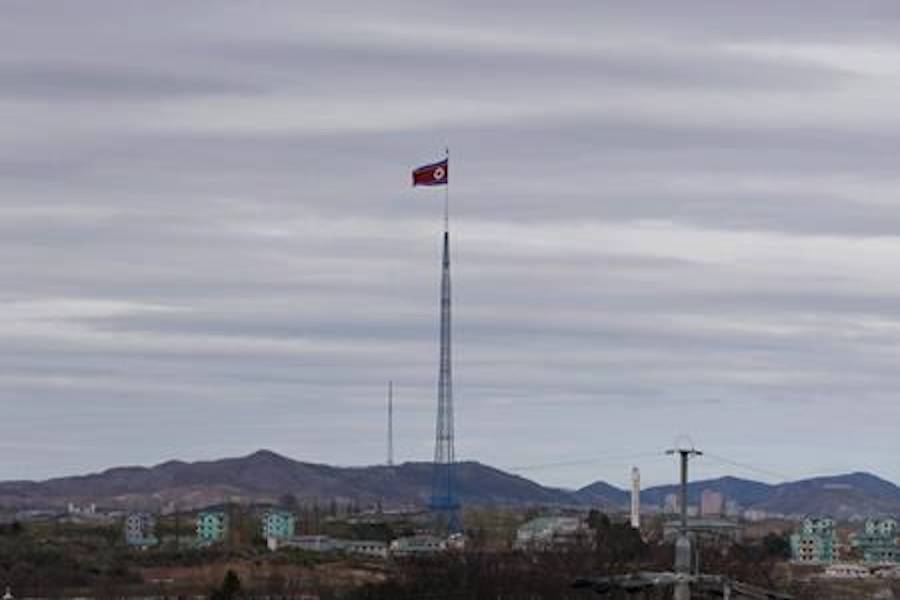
(745, 492)
(601, 493)
(842, 496)
(265, 476)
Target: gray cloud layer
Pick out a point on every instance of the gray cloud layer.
(668, 218)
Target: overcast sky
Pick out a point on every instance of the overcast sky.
(668, 218)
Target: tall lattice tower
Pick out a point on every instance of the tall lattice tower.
(443, 495)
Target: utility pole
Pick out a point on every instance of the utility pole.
(684, 551)
(687, 563)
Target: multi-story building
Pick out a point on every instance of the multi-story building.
(212, 527)
(712, 503)
(278, 524)
(878, 541)
(139, 530)
(816, 542)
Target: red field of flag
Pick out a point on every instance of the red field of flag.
(433, 174)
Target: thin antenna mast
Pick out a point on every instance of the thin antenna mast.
(390, 431)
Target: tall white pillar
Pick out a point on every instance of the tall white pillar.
(635, 498)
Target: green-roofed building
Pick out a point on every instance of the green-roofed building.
(212, 527)
(878, 541)
(279, 525)
(816, 542)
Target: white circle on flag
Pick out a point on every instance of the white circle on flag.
(439, 173)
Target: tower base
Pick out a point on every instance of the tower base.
(446, 512)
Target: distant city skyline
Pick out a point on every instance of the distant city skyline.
(667, 219)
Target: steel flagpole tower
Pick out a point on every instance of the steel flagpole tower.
(443, 494)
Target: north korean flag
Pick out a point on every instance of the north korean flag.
(433, 174)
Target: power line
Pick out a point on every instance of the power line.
(748, 467)
(602, 459)
(611, 459)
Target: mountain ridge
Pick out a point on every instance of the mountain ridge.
(265, 476)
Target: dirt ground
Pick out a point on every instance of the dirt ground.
(264, 577)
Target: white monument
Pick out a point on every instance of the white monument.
(635, 498)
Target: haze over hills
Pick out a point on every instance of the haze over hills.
(265, 476)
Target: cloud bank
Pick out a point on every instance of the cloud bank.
(667, 219)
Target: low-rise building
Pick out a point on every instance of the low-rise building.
(140, 530)
(87, 509)
(310, 543)
(755, 515)
(456, 541)
(88, 513)
(278, 524)
(544, 532)
(877, 542)
(372, 548)
(35, 514)
(816, 542)
(403, 546)
(212, 527)
(846, 571)
(324, 543)
(892, 572)
(418, 544)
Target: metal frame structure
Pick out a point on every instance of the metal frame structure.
(443, 494)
